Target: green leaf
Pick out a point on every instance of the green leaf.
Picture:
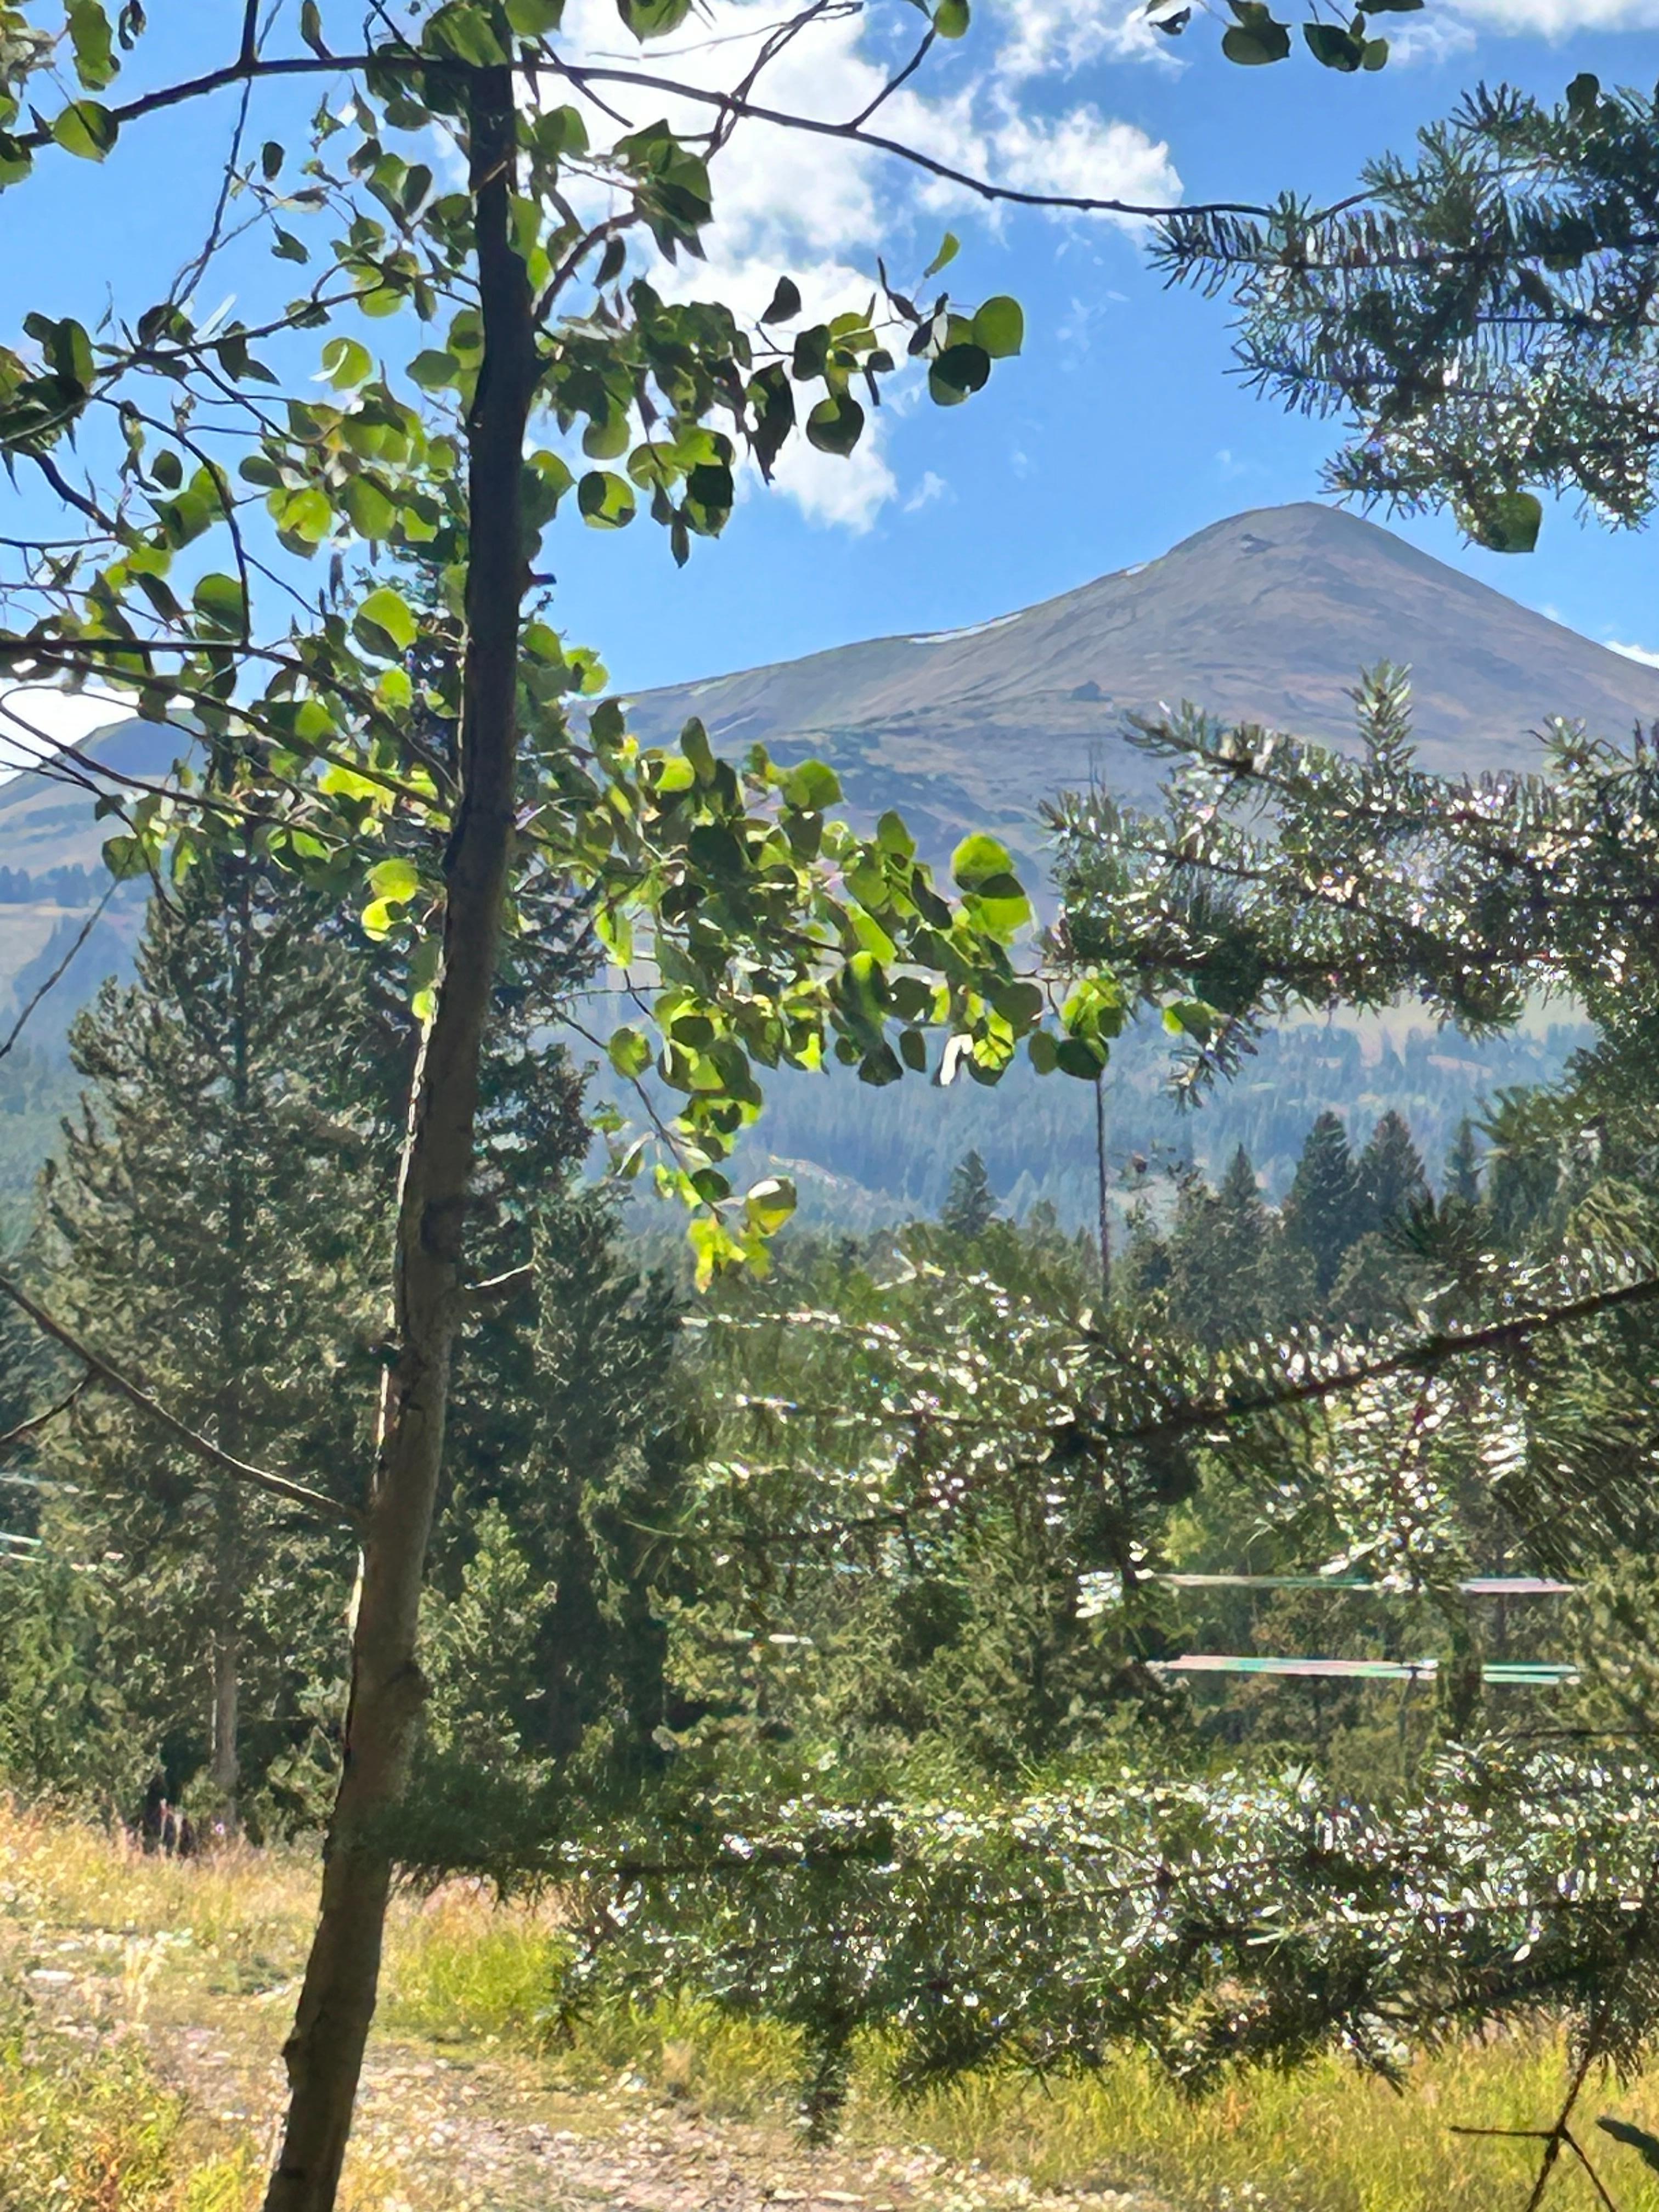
(978, 860)
(811, 786)
(222, 604)
(124, 856)
(653, 18)
(433, 370)
(1256, 49)
(605, 499)
(373, 514)
(836, 424)
(397, 878)
(535, 19)
(1333, 47)
(305, 518)
(1000, 327)
(785, 303)
(607, 435)
(95, 52)
(311, 26)
(768, 1203)
(347, 363)
(467, 33)
(387, 612)
(1257, 38)
(15, 160)
(1508, 524)
(950, 18)
(1082, 1057)
(1020, 1004)
(957, 371)
(1638, 2139)
(86, 130)
(558, 132)
(1042, 1051)
(629, 1053)
(950, 246)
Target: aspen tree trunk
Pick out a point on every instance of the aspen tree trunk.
(229, 1546)
(325, 2051)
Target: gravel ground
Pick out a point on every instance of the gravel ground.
(447, 2131)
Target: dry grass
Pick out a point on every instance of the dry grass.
(229, 1936)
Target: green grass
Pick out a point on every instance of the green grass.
(463, 1972)
(87, 2127)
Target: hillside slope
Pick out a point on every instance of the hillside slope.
(1267, 617)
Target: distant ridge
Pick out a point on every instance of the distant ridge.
(1267, 617)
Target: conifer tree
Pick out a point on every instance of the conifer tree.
(970, 1204)
(1462, 1176)
(1324, 1212)
(208, 1228)
(1391, 1175)
(1218, 1253)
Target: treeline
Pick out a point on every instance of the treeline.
(878, 1157)
(62, 886)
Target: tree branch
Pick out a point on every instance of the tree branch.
(582, 75)
(1424, 1356)
(37, 1421)
(56, 976)
(258, 1478)
(496, 1289)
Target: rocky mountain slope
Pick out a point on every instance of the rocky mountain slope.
(1268, 617)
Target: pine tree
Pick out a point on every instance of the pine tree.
(1463, 1174)
(970, 1204)
(1391, 1175)
(1218, 1257)
(1325, 1211)
(206, 1227)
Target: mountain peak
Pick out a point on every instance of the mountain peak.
(1269, 616)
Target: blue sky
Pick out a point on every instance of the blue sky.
(1119, 430)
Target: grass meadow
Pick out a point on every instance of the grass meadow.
(88, 2124)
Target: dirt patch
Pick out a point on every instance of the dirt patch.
(464, 2131)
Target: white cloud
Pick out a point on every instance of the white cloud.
(1084, 154)
(36, 719)
(1442, 33)
(1050, 35)
(1644, 653)
(836, 494)
(1558, 19)
(822, 208)
(931, 487)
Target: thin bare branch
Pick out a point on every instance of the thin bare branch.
(497, 1288)
(257, 1478)
(38, 1421)
(57, 975)
(585, 76)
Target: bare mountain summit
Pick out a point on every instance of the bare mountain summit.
(1269, 617)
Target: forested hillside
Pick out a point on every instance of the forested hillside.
(1147, 1575)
